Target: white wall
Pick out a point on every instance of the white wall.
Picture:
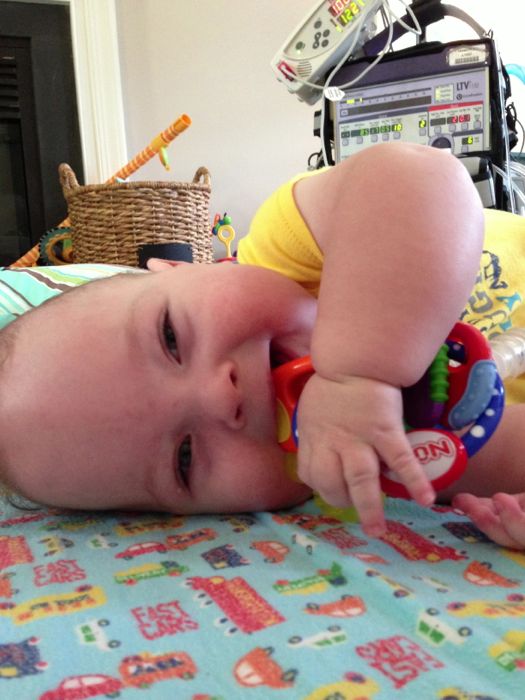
(210, 58)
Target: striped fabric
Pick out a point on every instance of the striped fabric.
(24, 288)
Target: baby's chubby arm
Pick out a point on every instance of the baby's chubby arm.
(401, 229)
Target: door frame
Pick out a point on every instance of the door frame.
(100, 103)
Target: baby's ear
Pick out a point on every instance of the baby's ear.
(158, 265)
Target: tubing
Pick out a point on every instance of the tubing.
(508, 350)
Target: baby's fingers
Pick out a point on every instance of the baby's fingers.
(512, 518)
(346, 478)
(361, 470)
(397, 454)
(483, 513)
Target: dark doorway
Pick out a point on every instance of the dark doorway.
(38, 121)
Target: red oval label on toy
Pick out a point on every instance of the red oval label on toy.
(440, 453)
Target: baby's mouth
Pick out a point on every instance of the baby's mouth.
(279, 355)
(286, 348)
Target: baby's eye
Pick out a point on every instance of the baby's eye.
(184, 460)
(170, 339)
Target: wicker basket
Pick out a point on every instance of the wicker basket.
(110, 222)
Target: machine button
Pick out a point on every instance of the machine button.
(386, 137)
(397, 135)
(373, 138)
(359, 139)
(452, 127)
(437, 129)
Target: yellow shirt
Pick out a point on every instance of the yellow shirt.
(279, 239)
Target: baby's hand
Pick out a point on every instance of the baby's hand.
(345, 429)
(502, 517)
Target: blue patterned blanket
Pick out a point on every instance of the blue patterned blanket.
(292, 605)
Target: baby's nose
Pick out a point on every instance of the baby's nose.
(224, 400)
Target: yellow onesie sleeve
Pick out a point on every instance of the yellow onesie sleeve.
(280, 240)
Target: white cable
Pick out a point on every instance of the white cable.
(517, 192)
(343, 60)
(379, 56)
(365, 14)
(453, 11)
(344, 86)
(391, 16)
(333, 72)
(504, 175)
(354, 33)
(416, 29)
(519, 171)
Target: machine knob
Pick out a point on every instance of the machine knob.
(441, 142)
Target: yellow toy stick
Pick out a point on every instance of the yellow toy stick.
(160, 141)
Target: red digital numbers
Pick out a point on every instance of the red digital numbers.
(337, 6)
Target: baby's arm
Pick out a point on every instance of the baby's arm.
(401, 229)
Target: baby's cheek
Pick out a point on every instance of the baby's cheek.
(271, 485)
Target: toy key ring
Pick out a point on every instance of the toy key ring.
(469, 397)
(474, 404)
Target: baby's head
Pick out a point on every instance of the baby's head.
(153, 391)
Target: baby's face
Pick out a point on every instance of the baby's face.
(154, 391)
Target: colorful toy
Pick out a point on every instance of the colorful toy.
(56, 247)
(56, 236)
(461, 391)
(225, 232)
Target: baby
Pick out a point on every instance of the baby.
(154, 391)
